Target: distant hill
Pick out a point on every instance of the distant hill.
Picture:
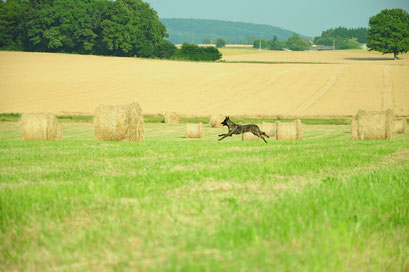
(183, 30)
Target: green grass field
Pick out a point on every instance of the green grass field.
(175, 204)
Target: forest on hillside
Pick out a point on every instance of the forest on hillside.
(200, 30)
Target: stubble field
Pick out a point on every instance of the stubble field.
(251, 83)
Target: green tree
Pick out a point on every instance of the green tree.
(194, 52)
(165, 49)
(260, 44)
(220, 43)
(207, 41)
(349, 44)
(275, 44)
(103, 27)
(389, 32)
(132, 28)
(296, 43)
(11, 24)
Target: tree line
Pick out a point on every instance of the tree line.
(295, 43)
(98, 27)
(343, 38)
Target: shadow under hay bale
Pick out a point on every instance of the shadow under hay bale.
(216, 121)
(119, 123)
(289, 131)
(171, 118)
(194, 130)
(354, 129)
(376, 125)
(270, 129)
(40, 126)
(400, 126)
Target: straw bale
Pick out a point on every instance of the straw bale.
(40, 126)
(216, 121)
(195, 130)
(289, 131)
(269, 129)
(400, 126)
(119, 123)
(354, 129)
(376, 125)
(171, 118)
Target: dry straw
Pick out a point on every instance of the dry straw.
(354, 129)
(400, 126)
(216, 121)
(194, 130)
(269, 129)
(376, 125)
(119, 123)
(289, 131)
(171, 118)
(40, 126)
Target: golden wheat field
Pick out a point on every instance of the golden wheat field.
(248, 83)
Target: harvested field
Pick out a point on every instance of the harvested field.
(301, 86)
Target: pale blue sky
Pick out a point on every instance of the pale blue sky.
(309, 17)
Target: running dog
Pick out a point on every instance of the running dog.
(238, 129)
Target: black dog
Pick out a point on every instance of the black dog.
(238, 129)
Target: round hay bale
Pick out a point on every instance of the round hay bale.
(400, 126)
(40, 126)
(171, 118)
(289, 131)
(269, 129)
(119, 123)
(195, 130)
(216, 121)
(354, 129)
(376, 125)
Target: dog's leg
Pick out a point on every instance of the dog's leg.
(258, 134)
(225, 135)
(263, 133)
(230, 133)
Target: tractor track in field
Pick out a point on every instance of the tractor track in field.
(388, 98)
(266, 84)
(317, 95)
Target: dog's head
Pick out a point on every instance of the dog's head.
(224, 123)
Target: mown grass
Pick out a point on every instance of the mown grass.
(177, 204)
